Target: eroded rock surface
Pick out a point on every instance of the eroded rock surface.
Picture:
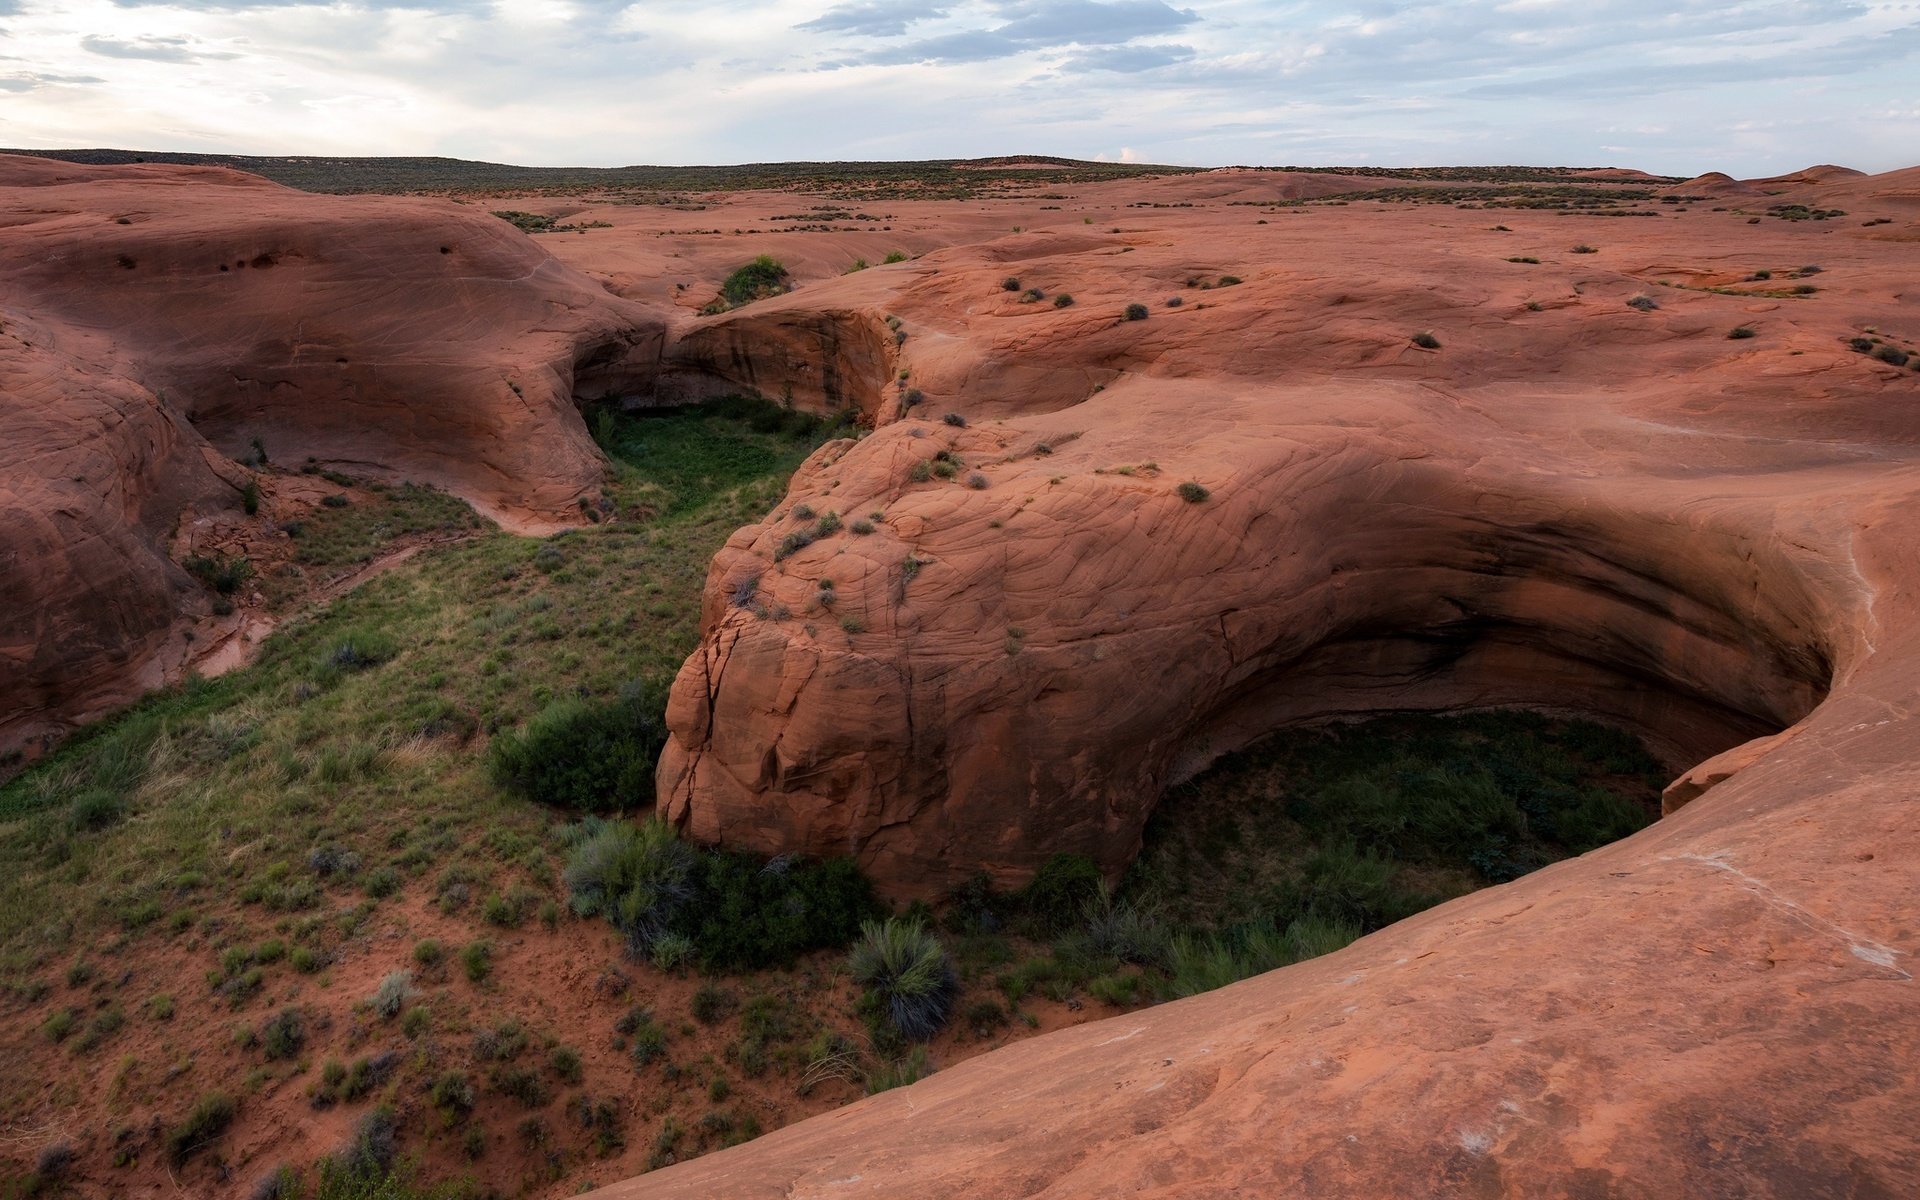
(157, 323)
(1573, 502)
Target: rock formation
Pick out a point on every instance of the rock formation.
(1572, 502)
(158, 322)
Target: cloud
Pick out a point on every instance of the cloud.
(153, 49)
(1031, 26)
(872, 19)
(1128, 59)
(27, 81)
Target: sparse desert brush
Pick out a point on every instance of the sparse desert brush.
(1891, 355)
(955, 419)
(1583, 248)
(1134, 312)
(1740, 332)
(1010, 284)
(1063, 300)
(895, 256)
(1192, 492)
(1643, 302)
(1425, 340)
(1524, 259)
(905, 968)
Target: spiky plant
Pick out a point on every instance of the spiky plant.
(906, 968)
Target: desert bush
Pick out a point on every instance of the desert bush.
(637, 876)
(1192, 492)
(711, 1003)
(904, 967)
(1524, 259)
(392, 994)
(590, 756)
(1643, 302)
(452, 1094)
(1135, 312)
(284, 1034)
(1010, 284)
(894, 256)
(1060, 890)
(200, 1128)
(1583, 248)
(900, 1072)
(955, 419)
(221, 572)
(1425, 340)
(762, 277)
(1063, 300)
(1739, 332)
(977, 481)
(861, 526)
(565, 1061)
(1891, 355)
(476, 959)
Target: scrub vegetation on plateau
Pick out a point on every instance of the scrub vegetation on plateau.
(327, 880)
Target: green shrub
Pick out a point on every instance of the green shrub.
(894, 256)
(762, 277)
(429, 953)
(584, 755)
(1060, 891)
(711, 1003)
(200, 1128)
(95, 808)
(636, 876)
(904, 967)
(1193, 493)
(565, 1061)
(1063, 300)
(452, 1094)
(476, 959)
(59, 1024)
(250, 497)
(284, 1034)
(222, 573)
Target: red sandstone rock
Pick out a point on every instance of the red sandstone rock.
(158, 318)
(1580, 505)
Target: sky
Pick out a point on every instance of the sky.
(1752, 87)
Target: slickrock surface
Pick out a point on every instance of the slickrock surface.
(1573, 502)
(156, 321)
